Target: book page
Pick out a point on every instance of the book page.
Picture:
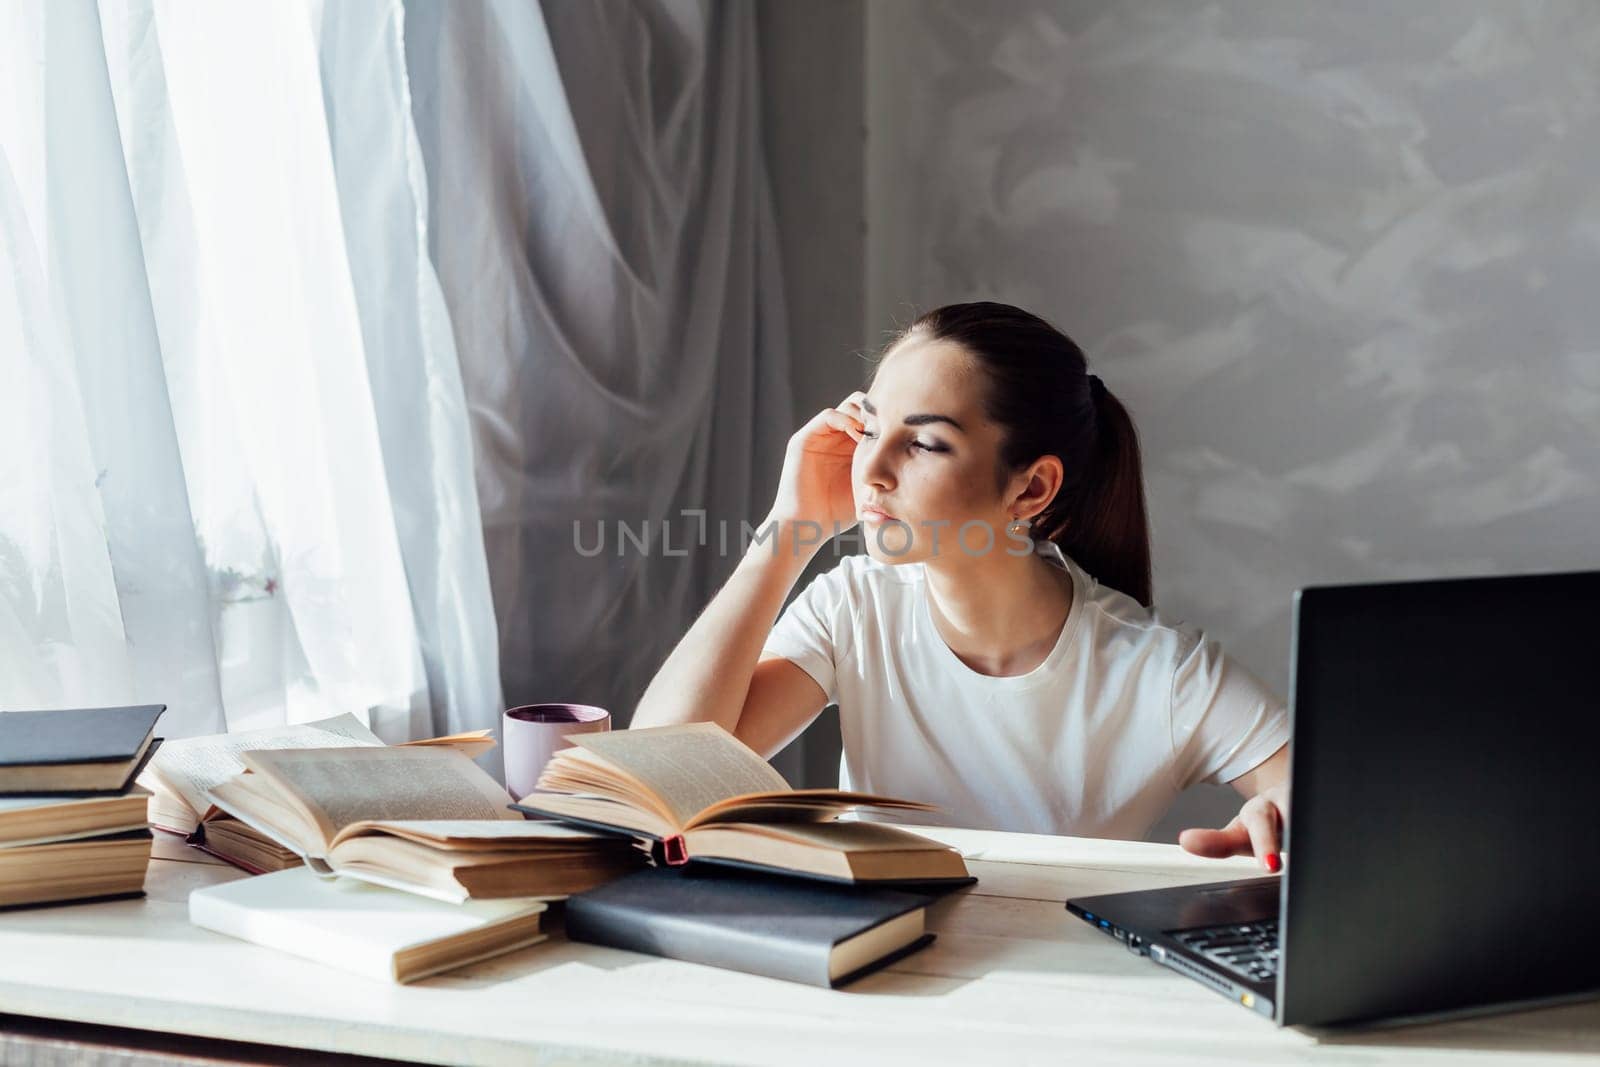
(473, 742)
(468, 834)
(250, 800)
(518, 829)
(846, 836)
(803, 805)
(337, 787)
(190, 766)
(690, 767)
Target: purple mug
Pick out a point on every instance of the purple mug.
(535, 732)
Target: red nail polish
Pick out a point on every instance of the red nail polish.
(1272, 862)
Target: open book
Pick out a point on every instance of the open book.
(185, 769)
(424, 819)
(704, 795)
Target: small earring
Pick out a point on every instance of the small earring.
(1018, 526)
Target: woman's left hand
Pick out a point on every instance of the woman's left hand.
(1257, 830)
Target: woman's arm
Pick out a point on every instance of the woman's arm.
(1270, 772)
(1258, 828)
(713, 674)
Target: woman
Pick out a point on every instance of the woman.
(1019, 680)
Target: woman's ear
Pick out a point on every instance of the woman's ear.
(1033, 489)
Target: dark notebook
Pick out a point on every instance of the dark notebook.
(75, 750)
(799, 931)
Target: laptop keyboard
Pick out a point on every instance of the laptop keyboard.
(1246, 949)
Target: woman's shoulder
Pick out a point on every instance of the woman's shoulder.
(1115, 616)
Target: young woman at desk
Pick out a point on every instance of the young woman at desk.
(994, 651)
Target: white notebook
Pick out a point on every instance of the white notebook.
(370, 930)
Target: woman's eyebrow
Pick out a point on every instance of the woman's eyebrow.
(914, 420)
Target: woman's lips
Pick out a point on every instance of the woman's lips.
(872, 514)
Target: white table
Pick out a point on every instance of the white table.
(1012, 978)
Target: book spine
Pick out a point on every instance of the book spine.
(658, 934)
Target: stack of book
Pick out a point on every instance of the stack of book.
(749, 874)
(72, 822)
(678, 841)
(181, 775)
(412, 860)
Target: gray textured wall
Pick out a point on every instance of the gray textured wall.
(1340, 259)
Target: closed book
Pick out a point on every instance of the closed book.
(365, 929)
(78, 869)
(800, 931)
(75, 751)
(39, 820)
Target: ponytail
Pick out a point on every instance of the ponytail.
(1106, 528)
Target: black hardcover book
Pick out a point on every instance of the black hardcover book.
(124, 778)
(799, 931)
(75, 751)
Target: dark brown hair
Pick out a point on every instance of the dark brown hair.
(1041, 394)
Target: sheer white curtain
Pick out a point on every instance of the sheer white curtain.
(235, 465)
(239, 424)
(603, 230)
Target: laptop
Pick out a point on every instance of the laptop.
(1442, 856)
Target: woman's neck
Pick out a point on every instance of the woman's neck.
(1000, 614)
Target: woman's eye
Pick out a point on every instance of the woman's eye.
(926, 446)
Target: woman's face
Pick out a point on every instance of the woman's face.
(928, 458)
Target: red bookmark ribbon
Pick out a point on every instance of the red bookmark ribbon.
(674, 851)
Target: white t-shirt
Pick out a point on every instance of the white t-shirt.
(1126, 712)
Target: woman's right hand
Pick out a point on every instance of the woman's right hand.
(816, 484)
